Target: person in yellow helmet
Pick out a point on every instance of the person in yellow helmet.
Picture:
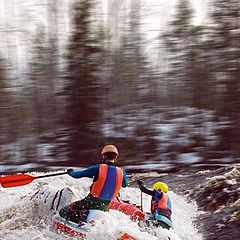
(161, 208)
(107, 182)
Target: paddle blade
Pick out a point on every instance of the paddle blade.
(16, 180)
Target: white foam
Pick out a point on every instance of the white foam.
(20, 219)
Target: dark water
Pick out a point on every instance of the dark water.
(218, 196)
(216, 192)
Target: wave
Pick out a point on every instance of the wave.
(21, 218)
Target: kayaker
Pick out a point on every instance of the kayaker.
(161, 208)
(107, 182)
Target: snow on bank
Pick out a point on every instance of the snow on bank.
(21, 219)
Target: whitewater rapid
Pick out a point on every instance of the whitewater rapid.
(21, 219)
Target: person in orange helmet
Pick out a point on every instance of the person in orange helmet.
(107, 182)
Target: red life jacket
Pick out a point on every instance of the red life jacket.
(109, 182)
(161, 205)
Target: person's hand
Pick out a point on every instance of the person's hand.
(139, 182)
(69, 171)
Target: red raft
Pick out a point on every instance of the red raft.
(73, 229)
(131, 210)
(70, 228)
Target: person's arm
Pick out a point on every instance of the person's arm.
(88, 172)
(125, 180)
(144, 189)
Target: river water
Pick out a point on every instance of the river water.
(179, 146)
(205, 206)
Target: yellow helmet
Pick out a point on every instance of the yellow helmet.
(160, 186)
(109, 148)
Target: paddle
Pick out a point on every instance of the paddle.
(139, 182)
(141, 204)
(22, 179)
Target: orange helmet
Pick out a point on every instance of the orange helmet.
(109, 148)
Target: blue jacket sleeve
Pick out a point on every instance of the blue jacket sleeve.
(125, 180)
(88, 172)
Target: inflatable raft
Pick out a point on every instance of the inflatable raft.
(80, 231)
(69, 228)
(131, 210)
(52, 200)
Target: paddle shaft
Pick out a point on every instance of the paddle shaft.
(51, 175)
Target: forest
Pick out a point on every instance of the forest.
(94, 82)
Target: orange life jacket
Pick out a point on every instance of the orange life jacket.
(108, 183)
(161, 205)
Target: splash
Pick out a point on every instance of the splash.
(25, 216)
